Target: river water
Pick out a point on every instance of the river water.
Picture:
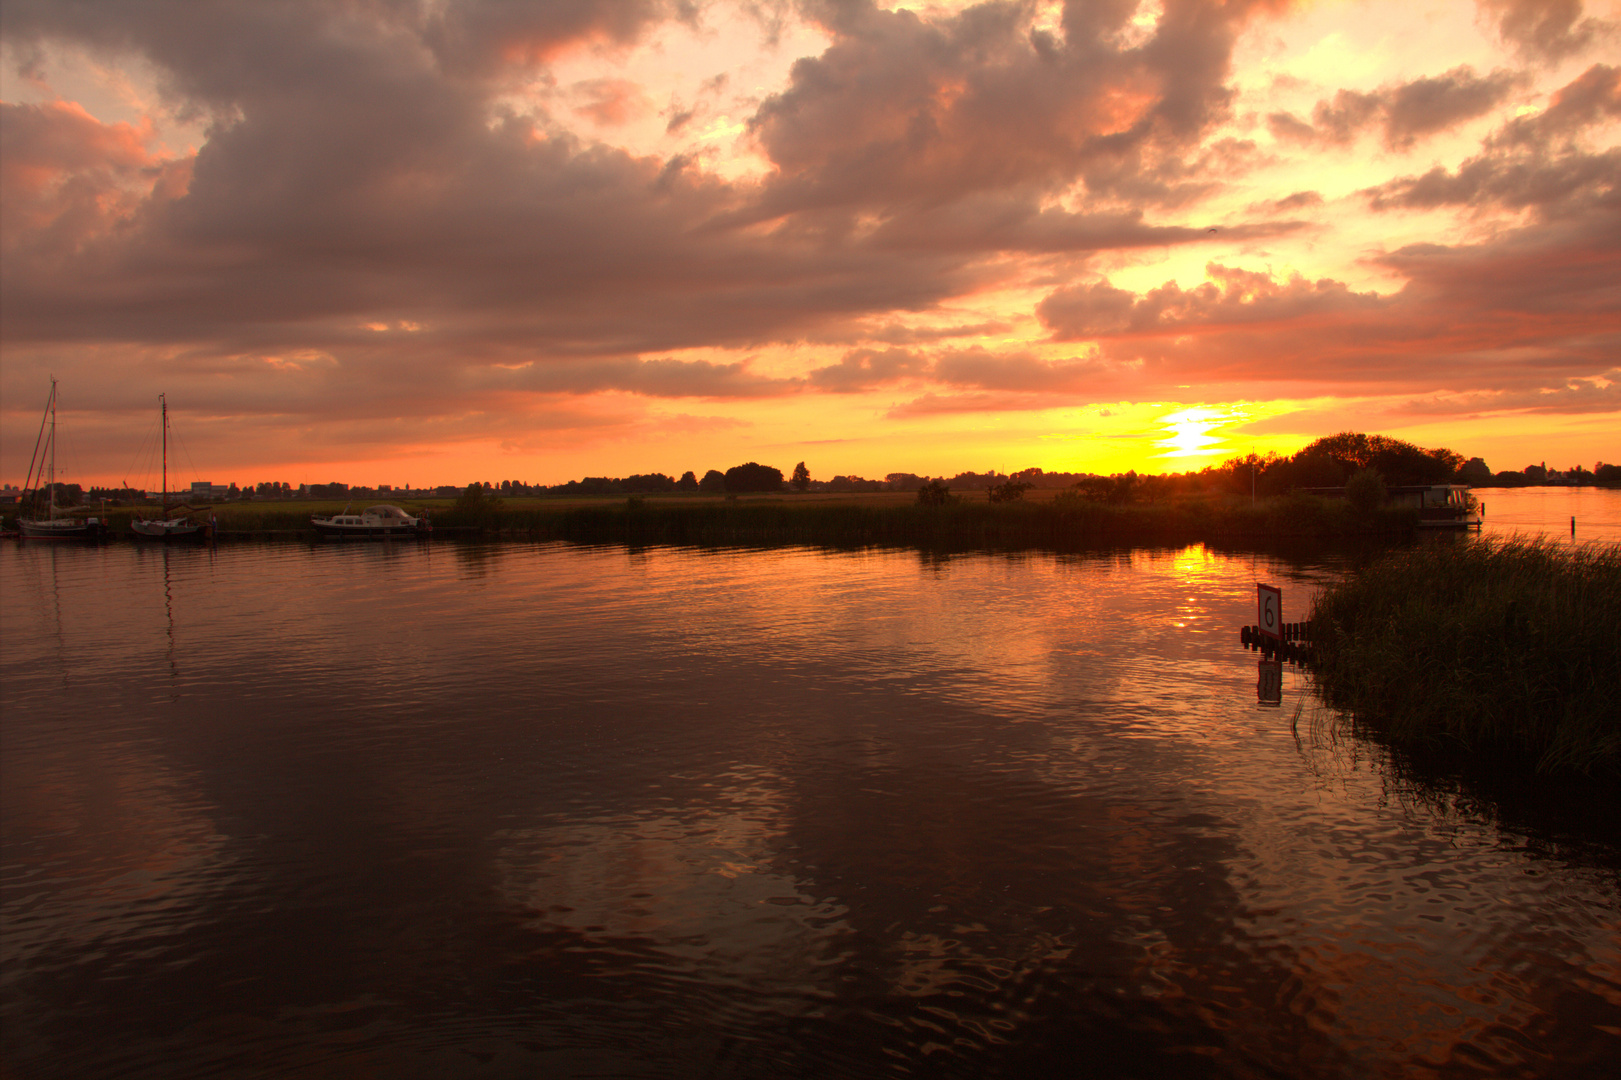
(447, 810)
(1567, 514)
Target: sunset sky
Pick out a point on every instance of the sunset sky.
(433, 241)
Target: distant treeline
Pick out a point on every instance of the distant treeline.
(1327, 462)
(1331, 461)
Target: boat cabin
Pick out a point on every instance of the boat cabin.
(1438, 505)
(380, 520)
(1426, 496)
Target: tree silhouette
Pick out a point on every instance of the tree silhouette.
(801, 479)
(752, 477)
(1010, 490)
(1365, 491)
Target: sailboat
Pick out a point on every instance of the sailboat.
(166, 527)
(52, 527)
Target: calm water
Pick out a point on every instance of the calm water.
(491, 811)
(1547, 511)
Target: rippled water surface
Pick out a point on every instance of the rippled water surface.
(513, 810)
(1579, 514)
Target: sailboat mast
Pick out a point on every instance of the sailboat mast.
(52, 484)
(164, 402)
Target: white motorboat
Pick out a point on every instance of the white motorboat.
(374, 522)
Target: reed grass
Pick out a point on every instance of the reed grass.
(1487, 644)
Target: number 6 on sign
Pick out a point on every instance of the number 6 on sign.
(1269, 609)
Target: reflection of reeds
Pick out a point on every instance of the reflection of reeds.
(1054, 524)
(887, 520)
(1330, 758)
(1488, 644)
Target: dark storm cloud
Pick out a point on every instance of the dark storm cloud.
(975, 368)
(1404, 112)
(896, 334)
(1531, 310)
(1018, 370)
(949, 404)
(1426, 106)
(1578, 397)
(356, 172)
(482, 36)
(863, 369)
(906, 112)
(1591, 98)
(1544, 29)
(1235, 297)
(653, 378)
(1532, 162)
(1300, 200)
(1511, 183)
(321, 209)
(1009, 223)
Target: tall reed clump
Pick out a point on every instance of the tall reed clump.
(1512, 645)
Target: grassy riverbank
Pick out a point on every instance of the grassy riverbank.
(1493, 645)
(853, 520)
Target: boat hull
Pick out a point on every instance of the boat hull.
(1447, 518)
(376, 523)
(366, 532)
(175, 531)
(62, 529)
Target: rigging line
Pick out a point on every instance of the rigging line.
(29, 483)
(174, 436)
(145, 454)
(67, 448)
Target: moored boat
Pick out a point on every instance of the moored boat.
(63, 528)
(169, 527)
(1439, 506)
(175, 528)
(374, 522)
(54, 526)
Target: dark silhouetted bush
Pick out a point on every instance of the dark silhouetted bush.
(1365, 491)
(752, 477)
(1009, 491)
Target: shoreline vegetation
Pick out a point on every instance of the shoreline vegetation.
(1064, 521)
(1506, 647)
